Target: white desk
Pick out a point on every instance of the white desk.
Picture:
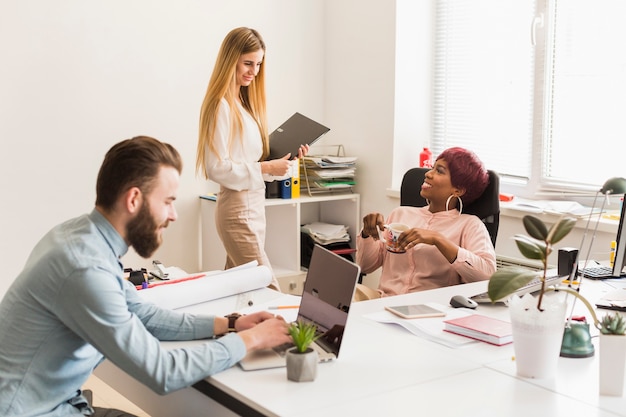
(385, 370)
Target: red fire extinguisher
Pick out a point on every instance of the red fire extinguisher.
(426, 158)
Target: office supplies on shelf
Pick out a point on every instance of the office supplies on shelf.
(326, 233)
(285, 188)
(479, 327)
(295, 131)
(328, 173)
(295, 179)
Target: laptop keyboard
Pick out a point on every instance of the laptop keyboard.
(282, 349)
(532, 287)
(597, 272)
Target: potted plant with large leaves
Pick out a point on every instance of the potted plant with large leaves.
(538, 323)
(302, 359)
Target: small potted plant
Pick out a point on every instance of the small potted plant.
(302, 359)
(612, 354)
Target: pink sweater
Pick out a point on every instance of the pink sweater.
(423, 267)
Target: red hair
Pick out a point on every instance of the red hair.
(466, 171)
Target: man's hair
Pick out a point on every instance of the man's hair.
(133, 163)
(466, 171)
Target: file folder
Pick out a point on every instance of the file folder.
(295, 179)
(285, 188)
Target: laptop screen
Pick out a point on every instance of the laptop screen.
(295, 131)
(327, 295)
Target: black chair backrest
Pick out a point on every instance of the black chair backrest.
(486, 207)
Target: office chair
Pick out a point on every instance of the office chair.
(486, 207)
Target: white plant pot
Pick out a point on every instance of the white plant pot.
(537, 335)
(612, 364)
(302, 367)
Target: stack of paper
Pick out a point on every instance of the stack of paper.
(326, 233)
(329, 172)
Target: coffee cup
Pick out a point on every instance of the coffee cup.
(392, 233)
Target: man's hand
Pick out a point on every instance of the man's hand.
(267, 333)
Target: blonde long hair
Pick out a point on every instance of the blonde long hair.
(222, 84)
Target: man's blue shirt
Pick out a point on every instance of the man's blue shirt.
(71, 307)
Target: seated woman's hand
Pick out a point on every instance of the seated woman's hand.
(371, 224)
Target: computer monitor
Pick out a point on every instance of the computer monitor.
(620, 248)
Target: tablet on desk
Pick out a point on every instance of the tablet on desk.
(295, 131)
(415, 311)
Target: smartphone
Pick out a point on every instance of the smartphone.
(415, 311)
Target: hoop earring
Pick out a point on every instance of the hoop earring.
(448, 201)
(460, 203)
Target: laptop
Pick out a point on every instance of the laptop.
(297, 130)
(328, 291)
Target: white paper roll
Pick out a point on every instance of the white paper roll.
(210, 287)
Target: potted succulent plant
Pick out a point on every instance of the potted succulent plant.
(536, 356)
(612, 354)
(302, 359)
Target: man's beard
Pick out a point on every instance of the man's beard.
(142, 232)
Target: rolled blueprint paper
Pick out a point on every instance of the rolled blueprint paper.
(214, 285)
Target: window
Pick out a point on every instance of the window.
(535, 87)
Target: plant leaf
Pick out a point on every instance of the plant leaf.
(561, 229)
(531, 249)
(302, 334)
(506, 281)
(535, 227)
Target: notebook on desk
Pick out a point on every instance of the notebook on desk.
(328, 291)
(295, 131)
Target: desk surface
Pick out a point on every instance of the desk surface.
(385, 370)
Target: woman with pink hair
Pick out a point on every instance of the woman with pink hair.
(442, 246)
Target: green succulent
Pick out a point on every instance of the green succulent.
(613, 324)
(303, 334)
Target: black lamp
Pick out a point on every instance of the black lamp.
(576, 338)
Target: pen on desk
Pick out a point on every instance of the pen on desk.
(282, 307)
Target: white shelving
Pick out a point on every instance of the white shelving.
(282, 243)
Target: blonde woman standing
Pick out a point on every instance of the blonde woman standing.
(233, 144)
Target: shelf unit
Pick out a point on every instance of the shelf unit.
(282, 242)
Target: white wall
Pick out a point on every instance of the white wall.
(77, 76)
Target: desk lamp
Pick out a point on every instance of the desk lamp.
(576, 338)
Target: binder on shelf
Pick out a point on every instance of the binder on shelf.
(285, 188)
(295, 179)
(272, 189)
